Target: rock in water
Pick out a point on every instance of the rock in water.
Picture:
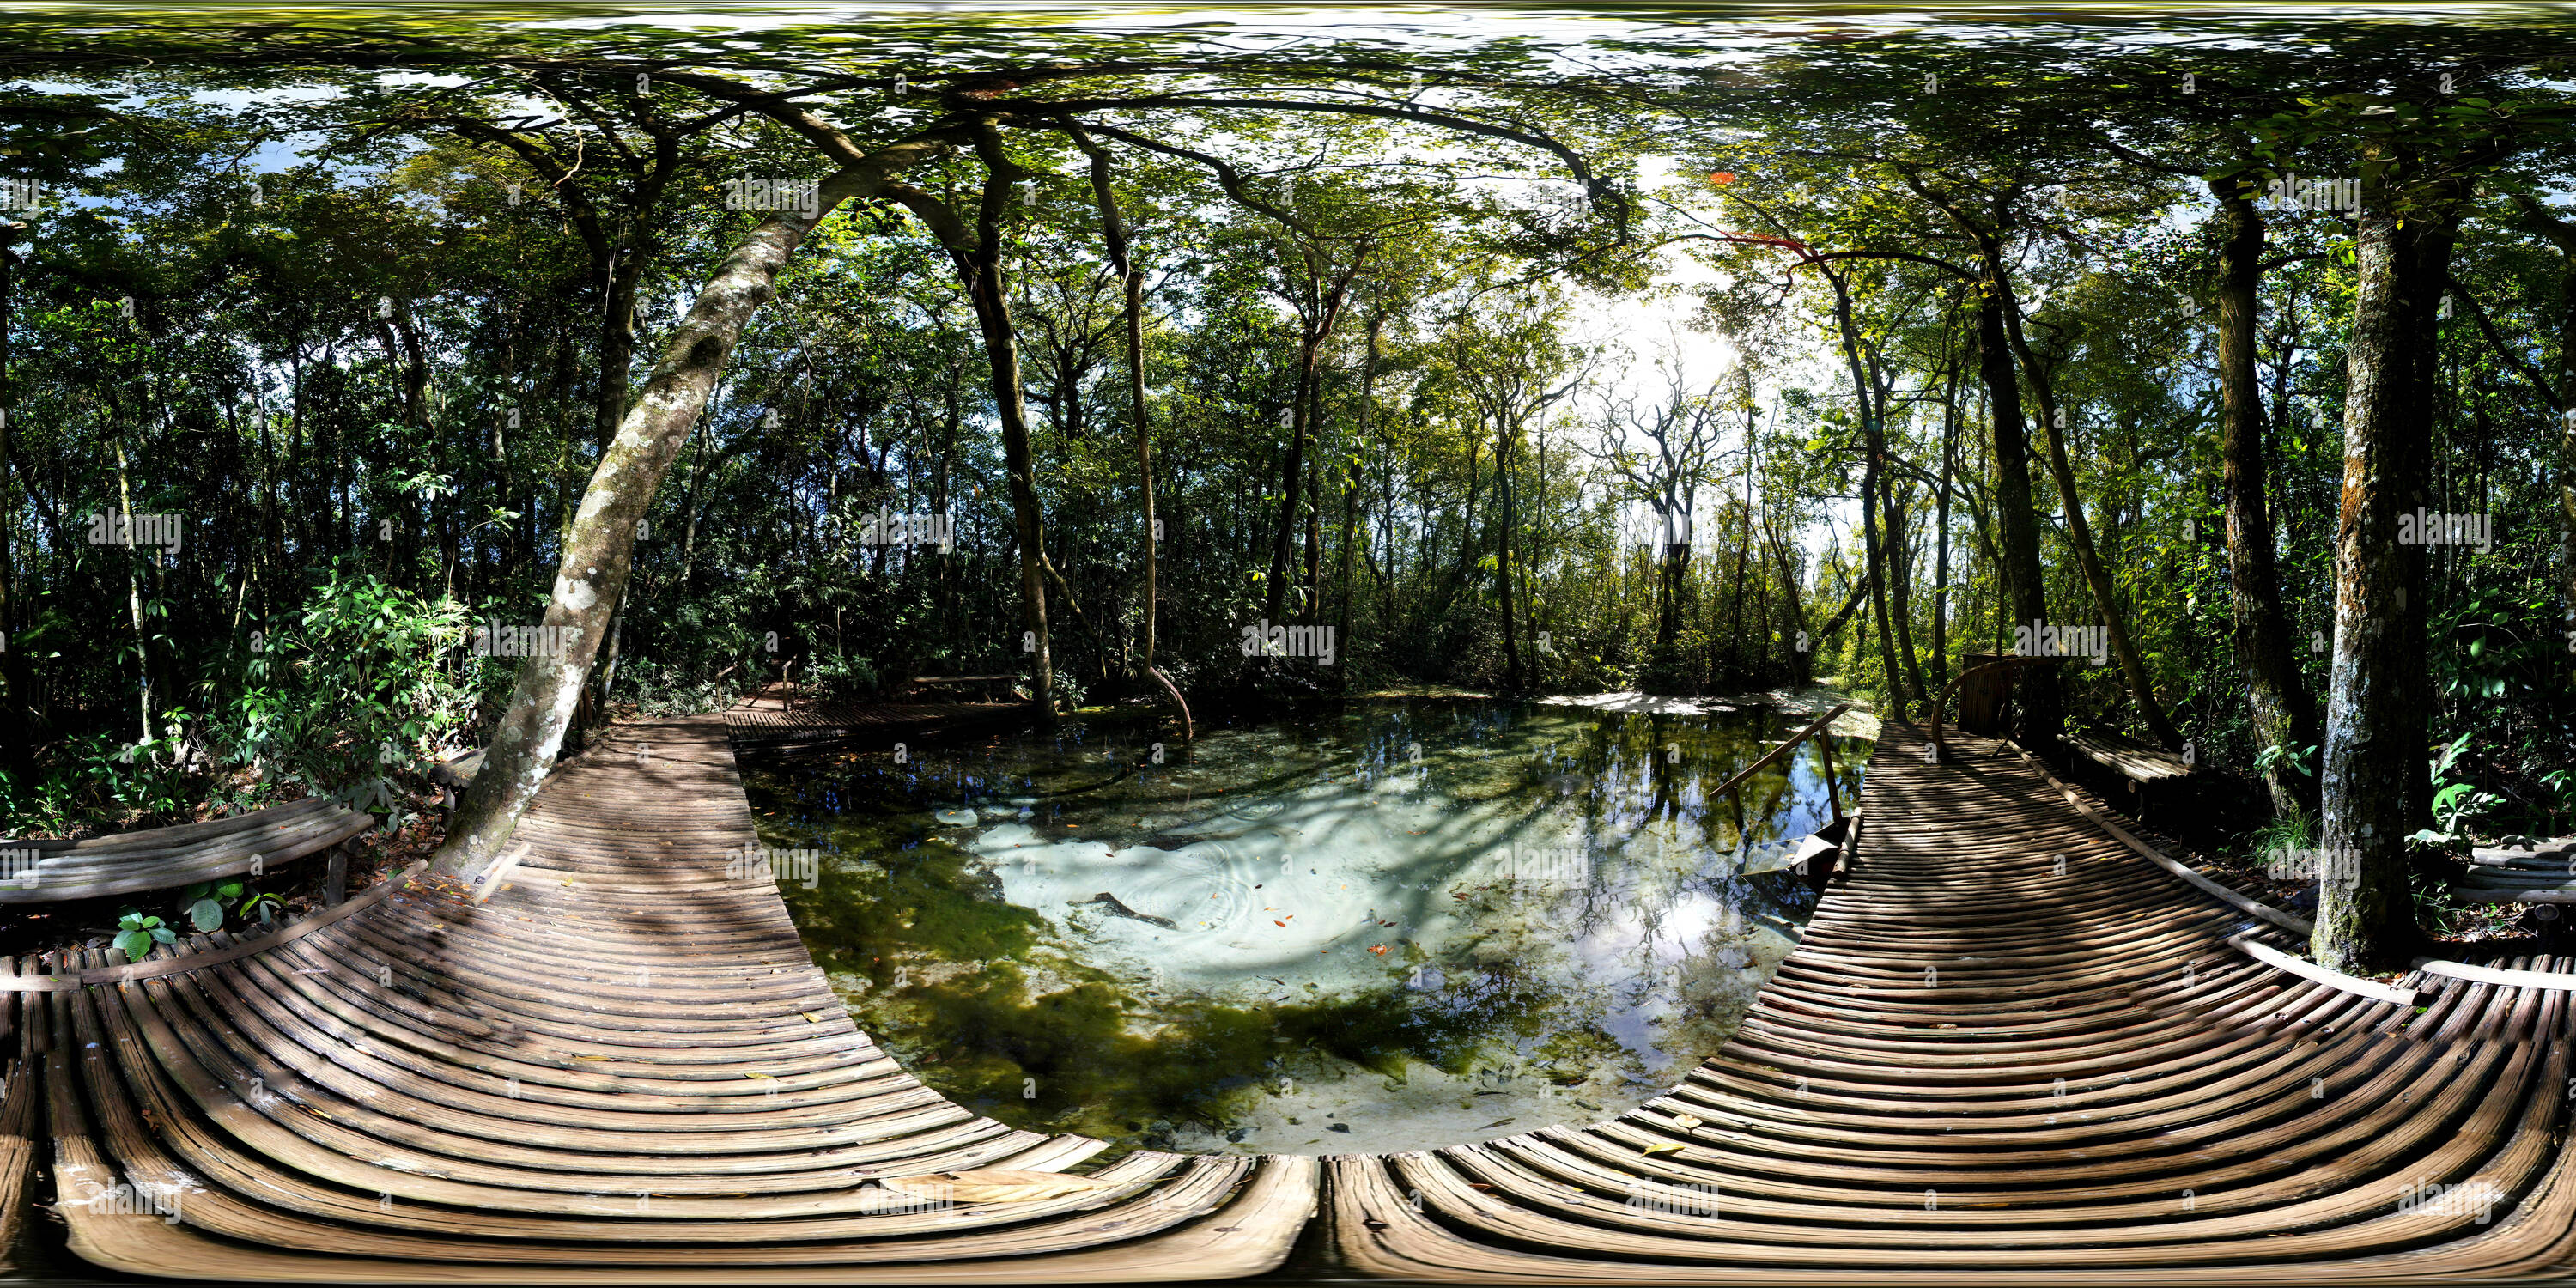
(1109, 903)
(957, 817)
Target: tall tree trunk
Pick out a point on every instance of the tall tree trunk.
(2284, 714)
(979, 264)
(134, 593)
(1899, 563)
(1941, 541)
(1114, 239)
(1503, 435)
(591, 576)
(1351, 484)
(2042, 713)
(1873, 457)
(2079, 533)
(15, 709)
(2375, 719)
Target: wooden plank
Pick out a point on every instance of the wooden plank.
(2352, 984)
(617, 1067)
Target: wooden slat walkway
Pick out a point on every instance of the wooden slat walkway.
(767, 720)
(622, 1067)
(1980, 1067)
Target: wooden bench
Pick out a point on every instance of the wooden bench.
(47, 871)
(454, 774)
(2541, 872)
(2144, 766)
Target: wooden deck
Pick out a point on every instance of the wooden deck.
(622, 1067)
(1982, 1065)
(1978, 1068)
(772, 719)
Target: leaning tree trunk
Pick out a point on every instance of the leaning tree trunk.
(2284, 715)
(600, 543)
(2375, 722)
(2088, 560)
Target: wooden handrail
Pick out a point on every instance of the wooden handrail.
(1776, 752)
(1942, 702)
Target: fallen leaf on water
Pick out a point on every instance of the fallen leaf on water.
(1377, 948)
(994, 1185)
(1279, 923)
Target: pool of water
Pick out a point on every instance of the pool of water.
(1384, 925)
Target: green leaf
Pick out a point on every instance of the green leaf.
(205, 914)
(135, 944)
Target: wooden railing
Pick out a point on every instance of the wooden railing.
(1825, 745)
(1942, 703)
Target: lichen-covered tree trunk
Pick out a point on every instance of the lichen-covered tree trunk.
(2375, 730)
(591, 577)
(2284, 715)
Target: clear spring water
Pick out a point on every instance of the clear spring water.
(1385, 925)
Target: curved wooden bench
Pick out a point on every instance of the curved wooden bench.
(1982, 1065)
(162, 858)
(619, 1067)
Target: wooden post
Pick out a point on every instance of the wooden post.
(335, 880)
(1825, 744)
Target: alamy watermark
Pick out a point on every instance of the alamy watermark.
(800, 195)
(18, 866)
(888, 528)
(1561, 867)
(131, 530)
(1267, 639)
(1673, 1199)
(137, 1198)
(2424, 528)
(2290, 192)
(775, 867)
(22, 194)
(2044, 639)
(2436, 1199)
(2338, 866)
(492, 639)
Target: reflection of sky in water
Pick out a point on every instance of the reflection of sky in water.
(1498, 887)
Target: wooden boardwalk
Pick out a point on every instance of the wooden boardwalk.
(622, 1067)
(2011, 1048)
(768, 720)
(1980, 1067)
